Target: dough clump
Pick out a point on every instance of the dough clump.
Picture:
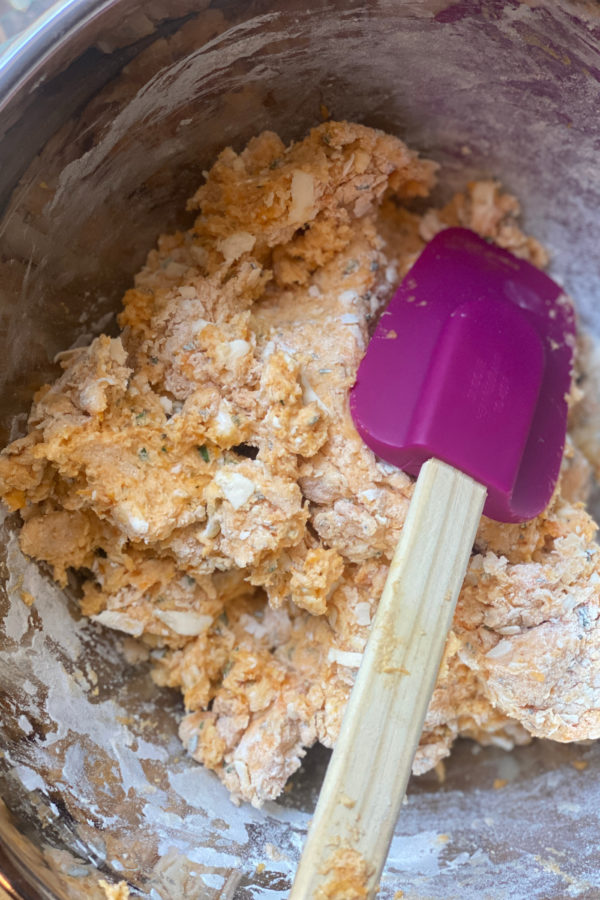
(202, 472)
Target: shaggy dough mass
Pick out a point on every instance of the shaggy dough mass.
(203, 473)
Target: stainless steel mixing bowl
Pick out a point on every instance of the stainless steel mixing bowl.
(109, 112)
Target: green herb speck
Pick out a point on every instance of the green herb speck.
(143, 454)
(202, 450)
(141, 417)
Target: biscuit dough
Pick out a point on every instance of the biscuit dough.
(202, 473)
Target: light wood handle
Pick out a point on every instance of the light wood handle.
(367, 775)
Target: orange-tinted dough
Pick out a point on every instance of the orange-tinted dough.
(203, 467)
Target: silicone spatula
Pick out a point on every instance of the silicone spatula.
(464, 384)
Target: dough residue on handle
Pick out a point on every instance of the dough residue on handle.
(118, 891)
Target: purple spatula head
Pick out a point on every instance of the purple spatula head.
(471, 363)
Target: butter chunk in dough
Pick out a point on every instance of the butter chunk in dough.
(203, 473)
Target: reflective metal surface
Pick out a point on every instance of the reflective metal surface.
(109, 112)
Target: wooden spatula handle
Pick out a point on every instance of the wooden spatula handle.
(366, 779)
